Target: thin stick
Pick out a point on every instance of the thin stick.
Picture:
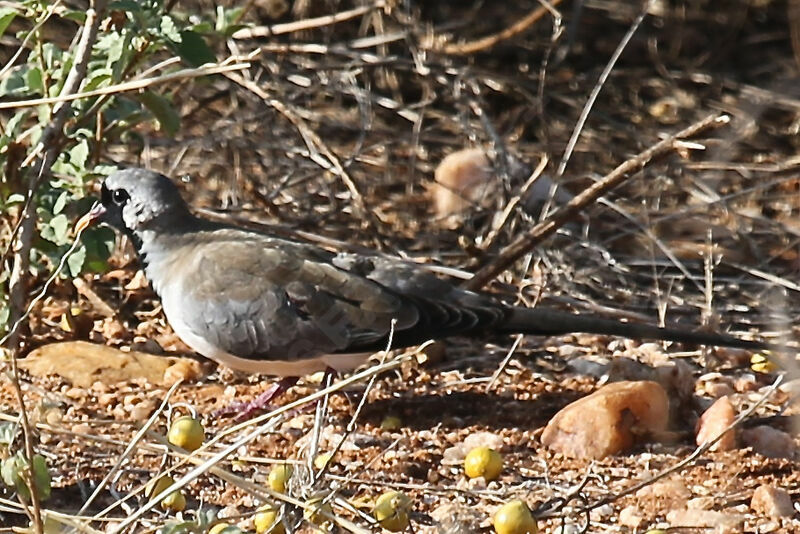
(527, 242)
(306, 24)
(130, 448)
(314, 143)
(224, 453)
(489, 41)
(587, 108)
(134, 85)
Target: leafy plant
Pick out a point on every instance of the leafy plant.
(16, 471)
(132, 36)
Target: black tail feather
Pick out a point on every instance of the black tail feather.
(549, 322)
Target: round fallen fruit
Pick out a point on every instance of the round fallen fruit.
(279, 476)
(514, 518)
(322, 460)
(219, 527)
(157, 485)
(761, 363)
(267, 520)
(186, 432)
(317, 510)
(391, 422)
(483, 462)
(174, 502)
(391, 511)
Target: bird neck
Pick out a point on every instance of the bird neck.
(155, 242)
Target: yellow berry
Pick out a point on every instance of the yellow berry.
(157, 485)
(514, 518)
(279, 476)
(760, 363)
(391, 422)
(391, 511)
(483, 462)
(317, 510)
(219, 527)
(174, 502)
(322, 460)
(186, 432)
(267, 520)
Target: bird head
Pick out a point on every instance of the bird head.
(133, 200)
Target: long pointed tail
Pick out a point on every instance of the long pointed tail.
(548, 322)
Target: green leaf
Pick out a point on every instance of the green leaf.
(60, 202)
(7, 433)
(56, 230)
(99, 244)
(10, 469)
(41, 476)
(161, 108)
(79, 154)
(73, 14)
(6, 16)
(15, 198)
(14, 83)
(193, 49)
(169, 29)
(227, 19)
(33, 79)
(103, 170)
(75, 262)
(98, 79)
(12, 473)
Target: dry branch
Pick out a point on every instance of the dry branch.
(527, 242)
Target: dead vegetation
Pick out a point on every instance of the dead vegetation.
(333, 134)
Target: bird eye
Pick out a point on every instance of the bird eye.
(119, 196)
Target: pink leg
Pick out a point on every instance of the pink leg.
(262, 403)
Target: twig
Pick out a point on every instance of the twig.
(130, 448)
(513, 203)
(48, 142)
(183, 74)
(504, 363)
(23, 45)
(306, 24)
(315, 145)
(518, 27)
(224, 453)
(527, 242)
(587, 108)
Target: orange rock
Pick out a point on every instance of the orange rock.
(462, 179)
(723, 522)
(83, 364)
(609, 421)
(717, 418)
(772, 501)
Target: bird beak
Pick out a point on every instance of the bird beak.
(94, 215)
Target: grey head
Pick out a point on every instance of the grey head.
(136, 200)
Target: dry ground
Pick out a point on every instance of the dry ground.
(727, 215)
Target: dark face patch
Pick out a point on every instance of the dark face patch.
(113, 201)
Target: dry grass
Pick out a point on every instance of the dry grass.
(334, 129)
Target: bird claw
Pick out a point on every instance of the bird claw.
(242, 411)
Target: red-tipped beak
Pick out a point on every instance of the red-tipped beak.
(97, 211)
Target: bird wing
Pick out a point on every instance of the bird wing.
(262, 298)
(258, 297)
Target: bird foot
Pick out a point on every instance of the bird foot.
(242, 411)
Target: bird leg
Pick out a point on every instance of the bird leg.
(262, 403)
